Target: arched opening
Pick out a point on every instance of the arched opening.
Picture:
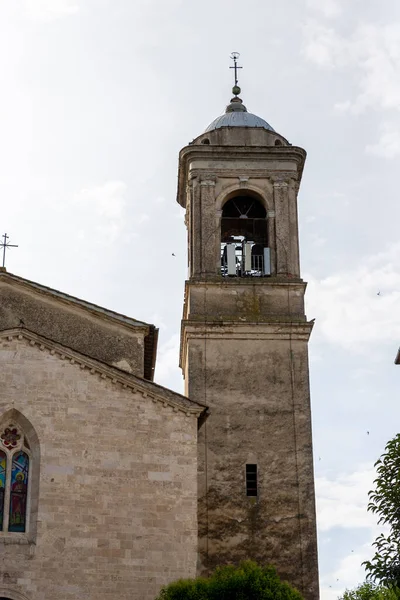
(278, 143)
(19, 475)
(11, 594)
(205, 141)
(244, 238)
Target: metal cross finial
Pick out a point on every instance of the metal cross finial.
(235, 58)
(5, 245)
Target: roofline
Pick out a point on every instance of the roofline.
(127, 380)
(68, 298)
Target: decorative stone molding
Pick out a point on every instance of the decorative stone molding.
(227, 191)
(11, 593)
(280, 184)
(208, 179)
(125, 380)
(283, 178)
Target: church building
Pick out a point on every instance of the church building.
(111, 485)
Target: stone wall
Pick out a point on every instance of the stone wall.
(254, 378)
(117, 493)
(90, 332)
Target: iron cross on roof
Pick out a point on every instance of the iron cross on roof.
(5, 244)
(235, 57)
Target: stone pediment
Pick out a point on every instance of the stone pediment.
(147, 389)
(103, 334)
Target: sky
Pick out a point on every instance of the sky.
(97, 98)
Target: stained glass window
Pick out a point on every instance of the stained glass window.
(10, 437)
(3, 469)
(19, 492)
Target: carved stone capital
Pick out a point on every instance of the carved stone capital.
(280, 184)
(282, 179)
(208, 179)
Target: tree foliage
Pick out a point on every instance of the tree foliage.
(371, 591)
(385, 502)
(246, 582)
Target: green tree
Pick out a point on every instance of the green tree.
(248, 581)
(371, 591)
(385, 502)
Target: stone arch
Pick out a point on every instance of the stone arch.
(247, 190)
(16, 417)
(7, 593)
(244, 234)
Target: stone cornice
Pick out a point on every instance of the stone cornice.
(147, 389)
(239, 330)
(226, 153)
(219, 281)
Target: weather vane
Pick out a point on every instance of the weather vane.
(5, 244)
(235, 57)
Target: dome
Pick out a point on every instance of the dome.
(238, 119)
(236, 115)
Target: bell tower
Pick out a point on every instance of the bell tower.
(244, 347)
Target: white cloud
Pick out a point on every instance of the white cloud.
(342, 501)
(168, 357)
(48, 10)
(101, 209)
(105, 200)
(372, 50)
(329, 8)
(360, 306)
(321, 44)
(388, 145)
(346, 574)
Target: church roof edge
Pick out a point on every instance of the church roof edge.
(67, 297)
(149, 389)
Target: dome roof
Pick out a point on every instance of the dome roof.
(236, 115)
(238, 119)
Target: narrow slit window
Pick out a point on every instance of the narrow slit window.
(251, 480)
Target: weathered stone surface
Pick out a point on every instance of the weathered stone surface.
(104, 335)
(116, 501)
(244, 354)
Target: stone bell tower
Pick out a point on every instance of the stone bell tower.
(244, 347)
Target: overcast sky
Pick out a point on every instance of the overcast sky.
(97, 98)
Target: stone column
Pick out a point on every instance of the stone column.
(209, 230)
(272, 239)
(195, 228)
(282, 229)
(218, 217)
(294, 260)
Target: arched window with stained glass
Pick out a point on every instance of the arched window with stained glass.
(15, 464)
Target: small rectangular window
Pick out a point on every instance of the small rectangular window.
(251, 480)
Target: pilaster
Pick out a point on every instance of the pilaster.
(209, 232)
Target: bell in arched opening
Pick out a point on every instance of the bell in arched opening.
(244, 238)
